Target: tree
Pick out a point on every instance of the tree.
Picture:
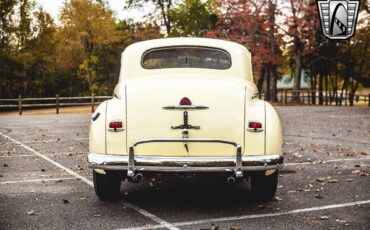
(193, 18)
(161, 9)
(302, 23)
(7, 28)
(86, 28)
(252, 23)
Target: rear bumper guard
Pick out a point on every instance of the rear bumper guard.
(237, 164)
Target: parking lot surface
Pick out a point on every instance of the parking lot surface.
(45, 182)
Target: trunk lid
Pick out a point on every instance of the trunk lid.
(146, 118)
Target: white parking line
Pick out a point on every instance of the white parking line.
(37, 180)
(32, 155)
(328, 161)
(53, 140)
(143, 212)
(254, 216)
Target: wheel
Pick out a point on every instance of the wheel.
(263, 188)
(107, 186)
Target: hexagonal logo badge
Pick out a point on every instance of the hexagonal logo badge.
(338, 18)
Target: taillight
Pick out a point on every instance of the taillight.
(254, 126)
(185, 101)
(115, 126)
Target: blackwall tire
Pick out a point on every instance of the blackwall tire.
(107, 186)
(263, 188)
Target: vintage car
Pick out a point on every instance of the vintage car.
(185, 105)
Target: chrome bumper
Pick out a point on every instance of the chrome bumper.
(134, 164)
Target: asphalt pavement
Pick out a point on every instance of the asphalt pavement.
(45, 182)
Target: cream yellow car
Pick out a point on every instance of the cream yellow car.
(185, 105)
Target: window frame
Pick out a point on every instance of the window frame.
(185, 46)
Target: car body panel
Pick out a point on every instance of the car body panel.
(230, 94)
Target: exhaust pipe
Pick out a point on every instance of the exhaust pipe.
(138, 177)
(231, 180)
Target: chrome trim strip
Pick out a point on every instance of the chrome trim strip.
(185, 107)
(238, 163)
(185, 164)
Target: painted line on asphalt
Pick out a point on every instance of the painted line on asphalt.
(32, 155)
(325, 138)
(254, 216)
(37, 180)
(73, 173)
(53, 141)
(328, 161)
(143, 212)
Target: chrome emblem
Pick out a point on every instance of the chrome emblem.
(338, 18)
(185, 126)
(185, 129)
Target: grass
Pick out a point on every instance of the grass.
(62, 110)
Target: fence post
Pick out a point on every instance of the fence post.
(285, 97)
(368, 99)
(93, 102)
(57, 103)
(20, 104)
(281, 98)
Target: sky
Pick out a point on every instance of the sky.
(53, 7)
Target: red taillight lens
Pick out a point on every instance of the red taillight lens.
(115, 124)
(185, 101)
(255, 125)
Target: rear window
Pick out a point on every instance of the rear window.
(186, 57)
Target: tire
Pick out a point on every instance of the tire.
(263, 188)
(107, 186)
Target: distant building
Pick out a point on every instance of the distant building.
(286, 82)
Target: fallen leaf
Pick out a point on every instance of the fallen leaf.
(278, 198)
(349, 179)
(321, 179)
(31, 212)
(235, 228)
(324, 217)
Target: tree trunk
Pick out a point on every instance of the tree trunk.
(273, 87)
(320, 89)
(297, 77)
(266, 86)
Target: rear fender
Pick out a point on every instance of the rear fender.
(254, 141)
(97, 133)
(116, 141)
(274, 133)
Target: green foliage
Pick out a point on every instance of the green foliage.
(81, 54)
(193, 18)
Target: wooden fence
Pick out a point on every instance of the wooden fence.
(55, 102)
(285, 97)
(312, 97)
